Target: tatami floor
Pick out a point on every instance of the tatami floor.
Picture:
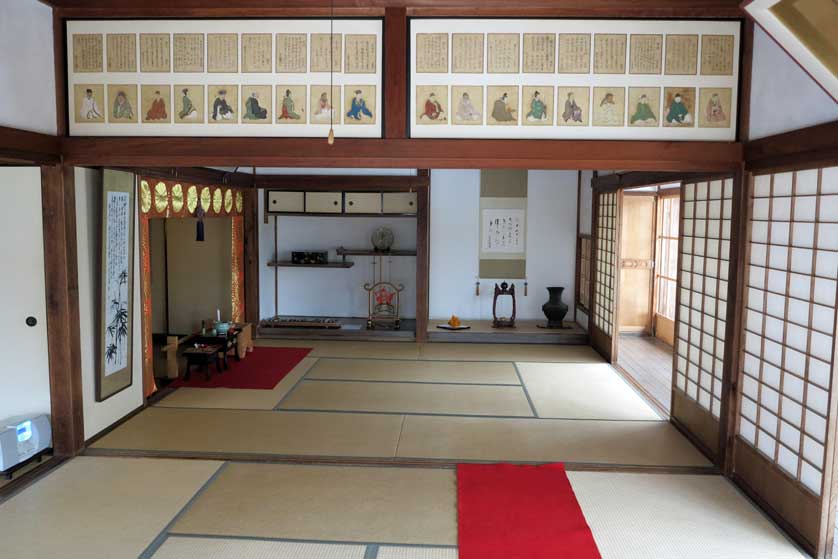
(352, 455)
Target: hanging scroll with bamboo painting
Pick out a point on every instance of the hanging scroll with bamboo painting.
(574, 79)
(117, 285)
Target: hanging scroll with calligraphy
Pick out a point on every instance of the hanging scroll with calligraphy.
(574, 79)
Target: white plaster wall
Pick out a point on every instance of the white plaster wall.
(783, 96)
(24, 369)
(551, 243)
(27, 71)
(100, 415)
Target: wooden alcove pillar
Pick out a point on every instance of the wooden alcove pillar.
(251, 257)
(423, 254)
(62, 303)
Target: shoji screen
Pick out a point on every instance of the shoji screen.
(788, 347)
(704, 265)
(605, 262)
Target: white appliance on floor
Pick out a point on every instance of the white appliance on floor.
(21, 438)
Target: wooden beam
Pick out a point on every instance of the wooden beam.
(199, 175)
(395, 72)
(525, 8)
(619, 181)
(59, 49)
(403, 153)
(62, 299)
(24, 147)
(391, 183)
(800, 149)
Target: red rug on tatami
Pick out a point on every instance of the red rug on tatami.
(262, 370)
(520, 512)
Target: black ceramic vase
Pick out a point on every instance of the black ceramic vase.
(555, 310)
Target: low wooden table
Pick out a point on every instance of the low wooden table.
(201, 357)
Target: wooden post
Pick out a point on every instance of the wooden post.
(395, 72)
(251, 256)
(62, 301)
(423, 232)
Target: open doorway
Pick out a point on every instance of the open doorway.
(648, 286)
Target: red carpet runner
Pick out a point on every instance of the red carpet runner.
(262, 369)
(520, 512)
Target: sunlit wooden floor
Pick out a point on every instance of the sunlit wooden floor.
(649, 361)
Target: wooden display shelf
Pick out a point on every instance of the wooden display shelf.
(336, 214)
(369, 252)
(289, 264)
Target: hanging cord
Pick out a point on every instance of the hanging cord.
(331, 138)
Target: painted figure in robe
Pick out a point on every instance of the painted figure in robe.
(188, 112)
(253, 110)
(572, 111)
(221, 110)
(501, 111)
(433, 109)
(158, 108)
(358, 107)
(643, 113)
(538, 109)
(89, 107)
(678, 112)
(288, 112)
(466, 110)
(122, 107)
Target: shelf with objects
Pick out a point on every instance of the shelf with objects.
(370, 292)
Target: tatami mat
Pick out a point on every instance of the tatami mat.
(509, 352)
(644, 443)
(236, 398)
(349, 350)
(393, 397)
(643, 516)
(257, 432)
(328, 503)
(583, 391)
(178, 547)
(417, 553)
(98, 507)
(414, 371)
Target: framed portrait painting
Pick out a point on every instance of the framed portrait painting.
(116, 317)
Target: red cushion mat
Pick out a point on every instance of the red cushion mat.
(520, 512)
(262, 369)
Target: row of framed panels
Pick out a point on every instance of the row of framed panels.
(629, 79)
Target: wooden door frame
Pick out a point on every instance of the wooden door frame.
(646, 194)
(660, 195)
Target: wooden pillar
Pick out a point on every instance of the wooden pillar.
(395, 72)
(251, 256)
(62, 301)
(423, 242)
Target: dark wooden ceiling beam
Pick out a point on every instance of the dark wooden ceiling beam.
(636, 179)
(291, 8)
(808, 147)
(21, 146)
(402, 153)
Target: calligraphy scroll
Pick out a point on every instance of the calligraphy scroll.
(360, 54)
(431, 53)
(539, 53)
(122, 52)
(467, 53)
(155, 52)
(645, 54)
(681, 54)
(504, 53)
(609, 54)
(223, 53)
(717, 55)
(291, 55)
(574, 53)
(321, 52)
(257, 50)
(189, 52)
(87, 53)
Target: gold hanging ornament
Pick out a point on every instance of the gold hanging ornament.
(192, 199)
(145, 197)
(177, 198)
(161, 197)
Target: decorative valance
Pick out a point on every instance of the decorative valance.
(169, 198)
